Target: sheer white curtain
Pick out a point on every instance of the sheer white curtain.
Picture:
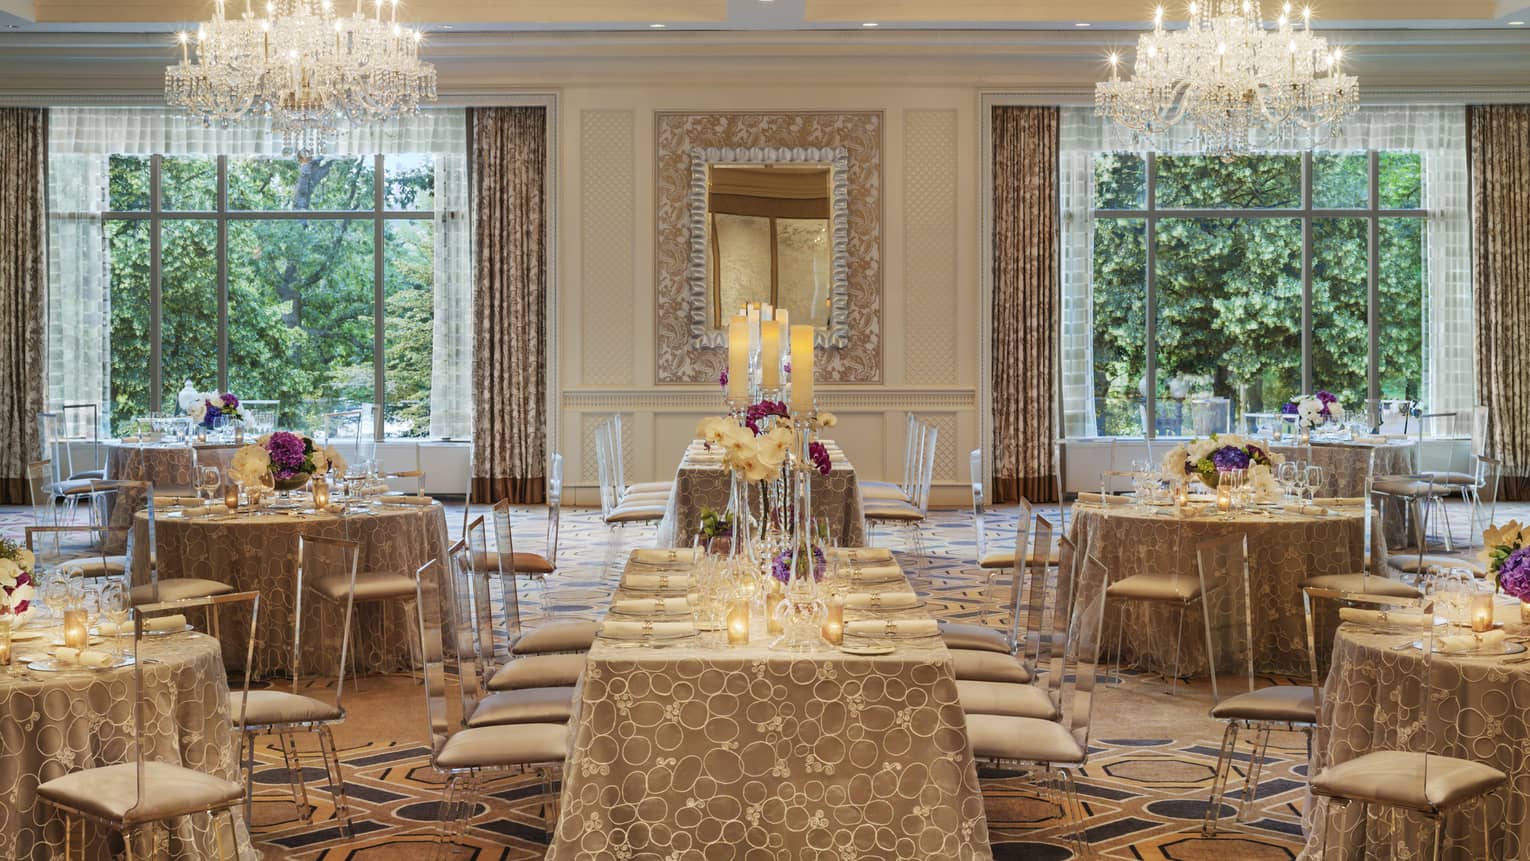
(81, 140)
(1437, 133)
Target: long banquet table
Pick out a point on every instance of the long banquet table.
(52, 723)
(701, 482)
(696, 751)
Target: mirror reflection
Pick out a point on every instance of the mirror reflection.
(768, 239)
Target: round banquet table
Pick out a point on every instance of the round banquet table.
(55, 723)
(1283, 549)
(168, 466)
(261, 552)
(1479, 709)
(1346, 466)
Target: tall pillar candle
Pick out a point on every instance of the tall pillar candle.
(785, 334)
(754, 331)
(738, 359)
(770, 356)
(802, 369)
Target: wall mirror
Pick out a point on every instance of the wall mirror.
(769, 225)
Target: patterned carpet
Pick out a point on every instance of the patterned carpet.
(1144, 788)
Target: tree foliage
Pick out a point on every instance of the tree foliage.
(1228, 290)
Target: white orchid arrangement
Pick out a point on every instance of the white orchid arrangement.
(753, 457)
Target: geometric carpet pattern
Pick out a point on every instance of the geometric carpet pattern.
(1144, 789)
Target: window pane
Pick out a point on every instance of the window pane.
(1210, 182)
(188, 184)
(189, 308)
(128, 184)
(1229, 320)
(1341, 331)
(129, 249)
(408, 327)
(1119, 310)
(1401, 177)
(1340, 181)
(322, 184)
(300, 315)
(1120, 182)
(1403, 296)
(409, 182)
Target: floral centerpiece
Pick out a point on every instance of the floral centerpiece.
(781, 564)
(17, 566)
(291, 460)
(1506, 550)
(1206, 457)
(213, 410)
(1312, 411)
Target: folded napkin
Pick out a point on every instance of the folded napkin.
(1340, 501)
(1380, 618)
(881, 600)
(1310, 510)
(177, 500)
(82, 657)
(1367, 439)
(864, 554)
(406, 500)
(657, 582)
(1187, 511)
(204, 510)
(875, 573)
(651, 556)
(1097, 499)
(894, 628)
(175, 622)
(1491, 641)
(656, 606)
(644, 630)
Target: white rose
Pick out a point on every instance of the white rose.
(198, 410)
(9, 571)
(320, 462)
(249, 464)
(1174, 463)
(25, 559)
(1336, 411)
(336, 461)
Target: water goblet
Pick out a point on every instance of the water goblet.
(209, 479)
(1314, 481)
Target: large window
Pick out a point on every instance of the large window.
(308, 283)
(1220, 288)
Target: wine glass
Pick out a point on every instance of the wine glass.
(1314, 481)
(209, 479)
(114, 604)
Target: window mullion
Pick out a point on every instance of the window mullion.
(379, 380)
(1307, 272)
(1150, 365)
(222, 228)
(1373, 278)
(156, 328)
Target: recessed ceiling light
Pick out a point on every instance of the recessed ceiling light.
(1516, 23)
(1082, 24)
(656, 26)
(869, 24)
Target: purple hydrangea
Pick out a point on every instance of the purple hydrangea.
(1326, 398)
(820, 457)
(230, 401)
(1230, 457)
(1289, 409)
(781, 565)
(211, 417)
(1514, 574)
(288, 454)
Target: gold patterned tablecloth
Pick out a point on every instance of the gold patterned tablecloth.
(261, 553)
(698, 752)
(1346, 466)
(701, 482)
(1478, 709)
(1283, 549)
(168, 466)
(55, 723)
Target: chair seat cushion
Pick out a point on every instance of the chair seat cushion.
(1401, 486)
(528, 705)
(1292, 703)
(1007, 560)
(267, 708)
(881, 485)
(889, 492)
(509, 744)
(89, 475)
(890, 510)
(524, 563)
(1155, 587)
(99, 566)
(1005, 698)
(370, 586)
(69, 487)
(1022, 739)
(180, 589)
(1401, 779)
(556, 637)
(639, 514)
(963, 635)
(663, 487)
(538, 671)
(111, 792)
(1361, 584)
(984, 666)
(1456, 479)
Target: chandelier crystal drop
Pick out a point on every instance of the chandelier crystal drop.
(303, 67)
(1238, 84)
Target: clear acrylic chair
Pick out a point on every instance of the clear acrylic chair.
(549, 637)
(615, 511)
(462, 755)
(1058, 747)
(1236, 695)
(1013, 653)
(911, 516)
(64, 484)
(123, 504)
(1370, 578)
(1174, 589)
(317, 706)
(1402, 773)
(903, 490)
(135, 798)
(633, 493)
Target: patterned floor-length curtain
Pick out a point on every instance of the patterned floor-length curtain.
(1025, 302)
(23, 298)
(509, 166)
(1500, 171)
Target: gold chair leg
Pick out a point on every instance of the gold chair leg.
(221, 843)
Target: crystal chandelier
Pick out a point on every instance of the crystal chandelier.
(1238, 85)
(302, 67)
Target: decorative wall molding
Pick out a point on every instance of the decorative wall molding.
(929, 245)
(677, 134)
(607, 203)
(833, 398)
